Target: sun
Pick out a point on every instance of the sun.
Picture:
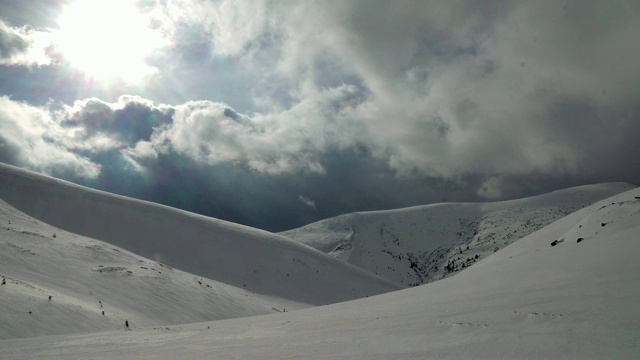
(107, 40)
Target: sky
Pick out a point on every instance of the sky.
(275, 114)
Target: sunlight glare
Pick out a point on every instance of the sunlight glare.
(107, 40)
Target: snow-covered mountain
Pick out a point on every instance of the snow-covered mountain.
(420, 244)
(567, 291)
(97, 286)
(128, 254)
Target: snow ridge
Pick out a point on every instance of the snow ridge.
(420, 244)
(281, 272)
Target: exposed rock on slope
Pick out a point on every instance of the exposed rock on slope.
(416, 245)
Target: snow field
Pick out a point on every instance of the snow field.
(566, 290)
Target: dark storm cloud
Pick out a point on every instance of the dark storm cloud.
(493, 91)
(353, 181)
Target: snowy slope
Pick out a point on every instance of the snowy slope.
(416, 245)
(250, 259)
(577, 299)
(85, 277)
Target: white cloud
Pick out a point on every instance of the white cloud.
(23, 45)
(209, 132)
(291, 140)
(307, 201)
(37, 141)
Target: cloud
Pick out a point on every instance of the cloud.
(30, 139)
(288, 141)
(78, 140)
(308, 202)
(127, 121)
(360, 105)
(11, 42)
(23, 46)
(491, 188)
(204, 131)
(208, 158)
(452, 89)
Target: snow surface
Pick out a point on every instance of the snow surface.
(128, 253)
(416, 245)
(569, 290)
(85, 277)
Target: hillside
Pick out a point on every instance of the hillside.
(567, 291)
(97, 286)
(416, 245)
(280, 271)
